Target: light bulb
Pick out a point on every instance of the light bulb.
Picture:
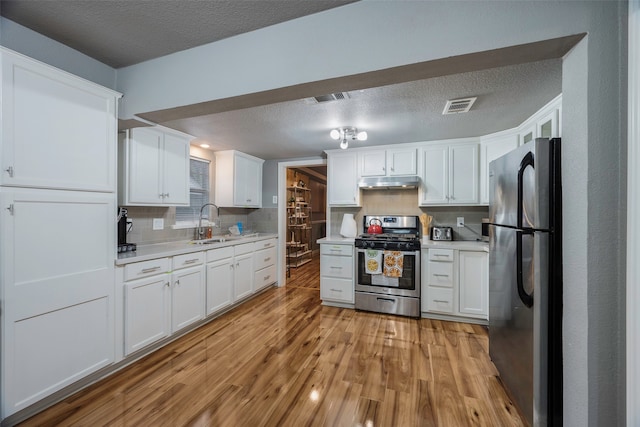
(204, 145)
(344, 144)
(335, 134)
(362, 136)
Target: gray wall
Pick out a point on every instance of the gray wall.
(25, 41)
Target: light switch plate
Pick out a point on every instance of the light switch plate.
(460, 221)
(158, 223)
(275, 200)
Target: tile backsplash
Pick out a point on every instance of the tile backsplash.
(405, 202)
(262, 220)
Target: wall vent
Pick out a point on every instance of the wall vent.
(461, 105)
(338, 96)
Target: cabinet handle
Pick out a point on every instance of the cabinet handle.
(267, 259)
(177, 282)
(336, 290)
(191, 261)
(168, 284)
(266, 245)
(149, 270)
(441, 255)
(10, 209)
(392, 169)
(237, 264)
(335, 267)
(248, 200)
(9, 170)
(441, 301)
(266, 277)
(231, 266)
(440, 275)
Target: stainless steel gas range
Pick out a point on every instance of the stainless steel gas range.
(388, 266)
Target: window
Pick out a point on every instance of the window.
(198, 193)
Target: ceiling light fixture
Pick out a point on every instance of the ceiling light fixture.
(347, 133)
(205, 145)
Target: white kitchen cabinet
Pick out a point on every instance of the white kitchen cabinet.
(49, 115)
(392, 162)
(264, 262)
(154, 167)
(492, 147)
(544, 123)
(455, 284)
(342, 178)
(450, 175)
(243, 273)
(58, 301)
(220, 266)
(336, 273)
(473, 282)
(187, 297)
(238, 180)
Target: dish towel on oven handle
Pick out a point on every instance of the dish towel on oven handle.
(373, 261)
(393, 263)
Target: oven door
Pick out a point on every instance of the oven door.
(408, 284)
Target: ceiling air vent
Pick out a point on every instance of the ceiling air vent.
(338, 96)
(461, 105)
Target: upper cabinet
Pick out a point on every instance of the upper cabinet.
(392, 162)
(450, 175)
(545, 123)
(58, 130)
(342, 178)
(238, 180)
(491, 147)
(154, 167)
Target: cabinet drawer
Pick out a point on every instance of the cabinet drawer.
(218, 254)
(188, 260)
(265, 277)
(265, 244)
(441, 255)
(340, 250)
(440, 299)
(264, 258)
(244, 248)
(334, 289)
(336, 266)
(138, 270)
(440, 274)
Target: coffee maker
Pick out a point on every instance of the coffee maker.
(123, 228)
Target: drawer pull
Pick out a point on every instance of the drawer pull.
(266, 277)
(191, 261)
(441, 301)
(336, 290)
(440, 275)
(149, 270)
(444, 255)
(335, 267)
(267, 259)
(266, 245)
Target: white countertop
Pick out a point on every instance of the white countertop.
(336, 240)
(465, 245)
(161, 250)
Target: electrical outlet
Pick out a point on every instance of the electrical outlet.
(158, 223)
(275, 200)
(460, 221)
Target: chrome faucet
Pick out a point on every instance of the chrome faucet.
(199, 230)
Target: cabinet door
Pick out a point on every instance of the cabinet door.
(435, 178)
(473, 281)
(491, 150)
(243, 276)
(547, 126)
(219, 285)
(402, 162)
(373, 163)
(175, 175)
(187, 297)
(144, 168)
(58, 131)
(463, 174)
(342, 181)
(58, 276)
(247, 181)
(147, 312)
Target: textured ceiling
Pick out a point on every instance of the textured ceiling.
(125, 32)
(397, 105)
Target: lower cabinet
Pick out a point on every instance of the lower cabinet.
(243, 271)
(163, 300)
(264, 262)
(219, 279)
(336, 273)
(455, 283)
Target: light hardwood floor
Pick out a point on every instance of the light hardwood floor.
(283, 359)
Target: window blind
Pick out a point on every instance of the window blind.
(198, 192)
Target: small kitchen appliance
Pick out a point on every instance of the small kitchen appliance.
(123, 226)
(388, 266)
(441, 233)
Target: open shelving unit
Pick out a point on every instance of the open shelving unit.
(298, 226)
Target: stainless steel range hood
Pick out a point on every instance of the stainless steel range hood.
(389, 182)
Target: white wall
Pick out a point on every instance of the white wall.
(23, 40)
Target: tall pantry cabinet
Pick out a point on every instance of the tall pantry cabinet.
(57, 219)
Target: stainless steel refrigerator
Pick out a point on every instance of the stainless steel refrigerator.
(525, 277)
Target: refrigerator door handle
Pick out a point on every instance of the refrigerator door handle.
(527, 299)
(524, 164)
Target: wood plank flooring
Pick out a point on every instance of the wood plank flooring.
(283, 359)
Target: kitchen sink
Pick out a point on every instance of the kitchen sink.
(210, 241)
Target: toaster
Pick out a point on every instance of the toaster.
(441, 233)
